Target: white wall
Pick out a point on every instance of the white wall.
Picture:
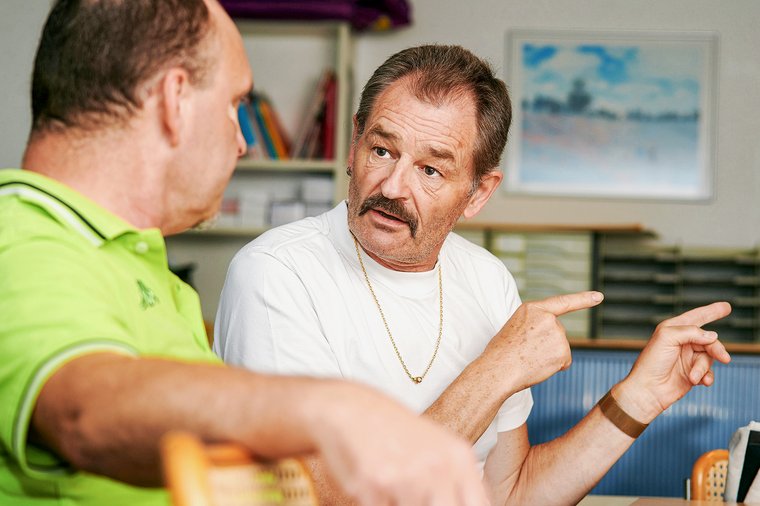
(20, 26)
(732, 217)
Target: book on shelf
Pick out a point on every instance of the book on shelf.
(310, 140)
(278, 126)
(328, 121)
(253, 149)
(266, 111)
(262, 129)
(255, 112)
(267, 139)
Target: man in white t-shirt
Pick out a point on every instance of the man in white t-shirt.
(380, 291)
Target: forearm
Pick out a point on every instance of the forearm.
(530, 347)
(328, 491)
(573, 463)
(471, 402)
(106, 413)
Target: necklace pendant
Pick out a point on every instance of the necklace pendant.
(417, 379)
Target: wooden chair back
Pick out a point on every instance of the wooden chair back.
(197, 474)
(708, 476)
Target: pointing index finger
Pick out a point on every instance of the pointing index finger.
(701, 315)
(567, 303)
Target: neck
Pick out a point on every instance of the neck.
(400, 266)
(403, 266)
(106, 168)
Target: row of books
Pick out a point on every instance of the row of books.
(315, 139)
(262, 129)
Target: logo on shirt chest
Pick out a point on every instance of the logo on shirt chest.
(147, 297)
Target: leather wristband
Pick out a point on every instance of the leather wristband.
(622, 420)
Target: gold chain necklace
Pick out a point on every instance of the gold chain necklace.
(415, 379)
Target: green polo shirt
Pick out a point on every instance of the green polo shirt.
(77, 279)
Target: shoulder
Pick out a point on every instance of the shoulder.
(476, 266)
(464, 252)
(28, 227)
(289, 245)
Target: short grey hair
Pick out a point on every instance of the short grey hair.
(438, 73)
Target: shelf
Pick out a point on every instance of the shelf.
(691, 276)
(639, 257)
(631, 343)
(653, 320)
(650, 299)
(225, 232)
(720, 280)
(623, 228)
(736, 323)
(295, 166)
(641, 277)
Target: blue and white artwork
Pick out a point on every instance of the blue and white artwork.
(610, 115)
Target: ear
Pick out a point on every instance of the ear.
(175, 86)
(483, 192)
(352, 146)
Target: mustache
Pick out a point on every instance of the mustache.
(394, 207)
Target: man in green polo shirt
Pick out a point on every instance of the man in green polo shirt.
(103, 350)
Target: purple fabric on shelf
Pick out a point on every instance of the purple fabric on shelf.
(363, 14)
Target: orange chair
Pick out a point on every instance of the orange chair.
(708, 476)
(197, 474)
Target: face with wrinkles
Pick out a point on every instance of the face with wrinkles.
(412, 177)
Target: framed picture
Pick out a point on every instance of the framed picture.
(611, 114)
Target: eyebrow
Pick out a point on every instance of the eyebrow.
(439, 154)
(379, 132)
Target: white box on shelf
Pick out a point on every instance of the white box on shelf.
(254, 208)
(317, 190)
(317, 208)
(229, 212)
(286, 212)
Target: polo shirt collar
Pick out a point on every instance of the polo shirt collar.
(28, 185)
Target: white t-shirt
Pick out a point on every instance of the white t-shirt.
(295, 301)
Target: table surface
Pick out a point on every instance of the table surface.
(608, 500)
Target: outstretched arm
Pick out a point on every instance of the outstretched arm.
(678, 356)
(105, 413)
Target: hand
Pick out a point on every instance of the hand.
(381, 453)
(533, 342)
(677, 357)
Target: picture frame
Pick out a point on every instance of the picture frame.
(611, 114)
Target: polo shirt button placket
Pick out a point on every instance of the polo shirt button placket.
(141, 247)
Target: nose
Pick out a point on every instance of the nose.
(396, 184)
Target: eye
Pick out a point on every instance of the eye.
(381, 152)
(430, 171)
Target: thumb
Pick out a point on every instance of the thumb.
(562, 304)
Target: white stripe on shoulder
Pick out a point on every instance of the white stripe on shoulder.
(54, 207)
